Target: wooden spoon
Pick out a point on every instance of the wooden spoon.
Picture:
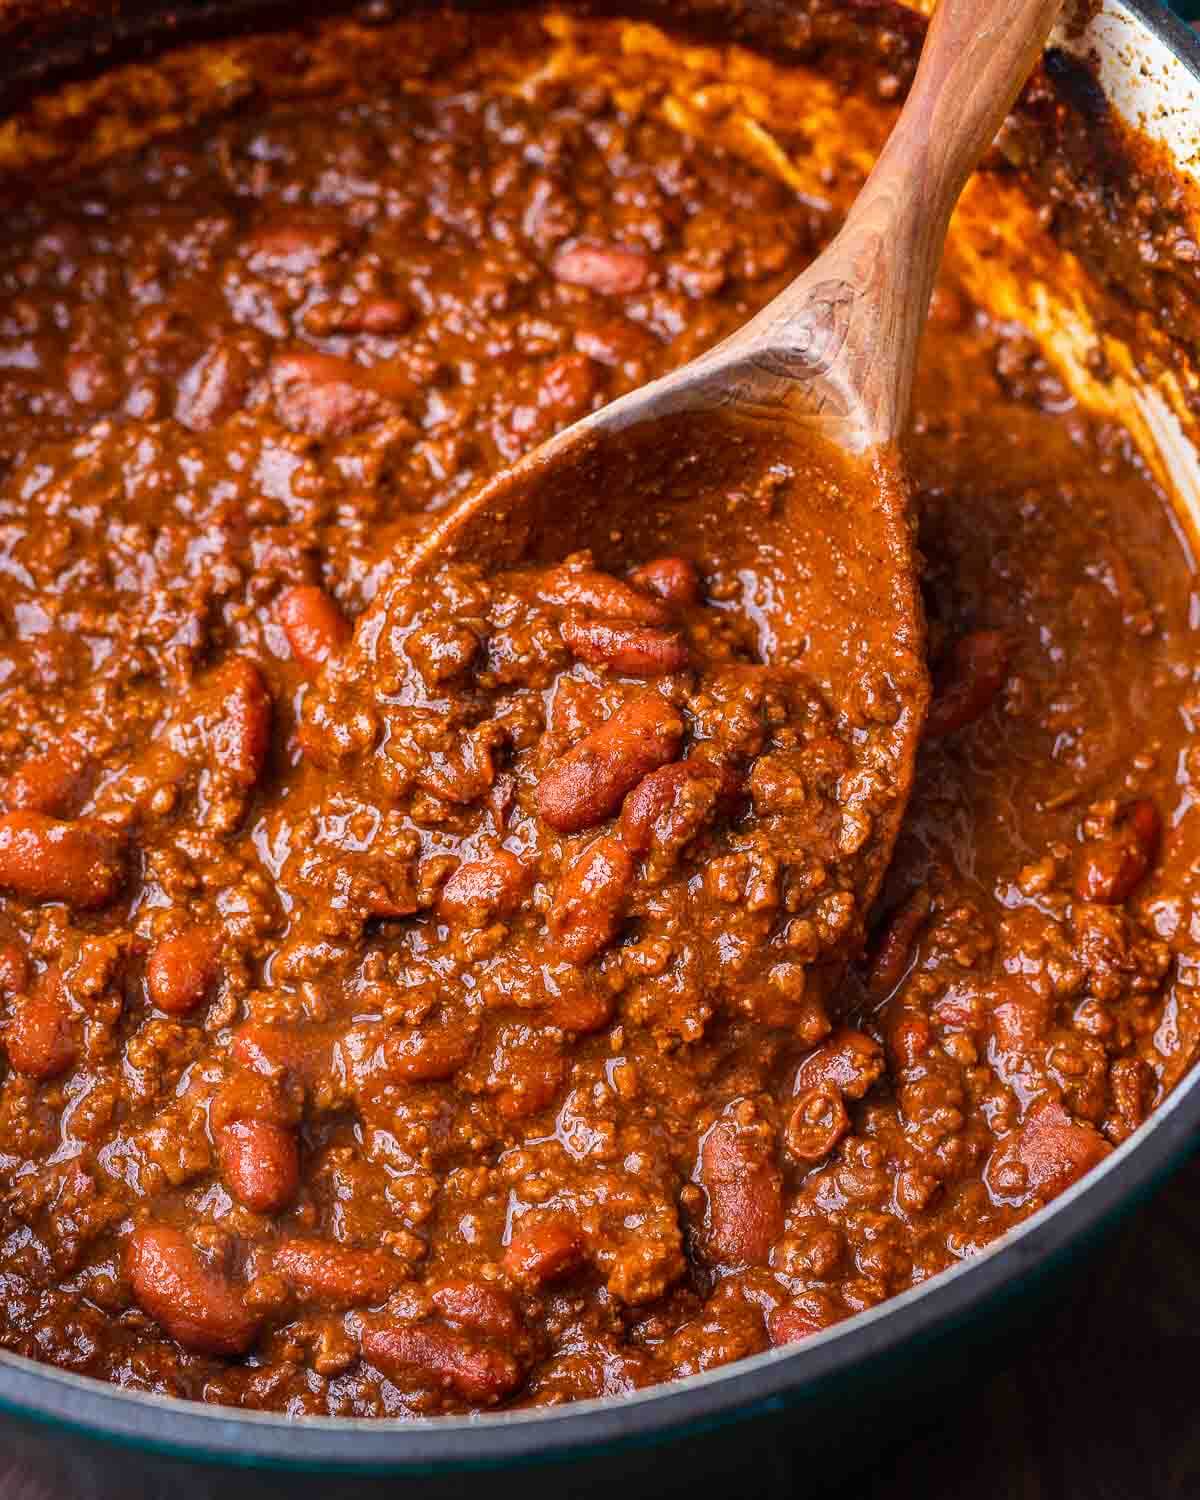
(771, 459)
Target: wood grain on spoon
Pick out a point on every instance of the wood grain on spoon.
(774, 454)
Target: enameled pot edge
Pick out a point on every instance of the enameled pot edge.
(42, 1394)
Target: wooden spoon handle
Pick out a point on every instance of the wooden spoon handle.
(841, 341)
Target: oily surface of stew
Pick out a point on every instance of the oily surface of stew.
(407, 1000)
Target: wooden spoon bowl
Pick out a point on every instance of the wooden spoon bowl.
(771, 460)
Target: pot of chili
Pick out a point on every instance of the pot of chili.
(435, 1042)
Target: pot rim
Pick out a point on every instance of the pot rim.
(192, 1430)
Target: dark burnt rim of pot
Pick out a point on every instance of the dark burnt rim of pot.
(896, 1329)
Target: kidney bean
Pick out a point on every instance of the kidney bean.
(568, 387)
(275, 1051)
(632, 650)
(315, 627)
(182, 970)
(745, 1193)
(1043, 1157)
(40, 1040)
(482, 889)
(1107, 871)
(198, 1307)
(1020, 1016)
(668, 808)
(964, 691)
(292, 246)
(586, 784)
(671, 578)
(214, 388)
(260, 1163)
(582, 1007)
(893, 954)
(591, 899)
(850, 1061)
(428, 1053)
(14, 967)
(56, 782)
(816, 1124)
(612, 270)
(597, 593)
(333, 1275)
(327, 397)
(478, 1305)
(44, 859)
(232, 709)
(543, 1249)
(432, 1354)
(792, 1321)
(376, 315)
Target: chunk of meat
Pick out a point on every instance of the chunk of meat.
(586, 784)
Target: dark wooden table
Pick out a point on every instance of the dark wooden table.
(1105, 1405)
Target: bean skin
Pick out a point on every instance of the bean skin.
(816, 1124)
(199, 1308)
(543, 1250)
(745, 1194)
(612, 270)
(1042, 1158)
(850, 1061)
(477, 1305)
(327, 397)
(333, 1275)
(443, 1358)
(792, 1321)
(590, 902)
(56, 782)
(964, 691)
(631, 650)
(260, 1163)
(586, 784)
(671, 578)
(894, 953)
(1108, 870)
(44, 859)
(424, 1054)
(183, 969)
(40, 1039)
(483, 889)
(315, 627)
(597, 593)
(670, 806)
